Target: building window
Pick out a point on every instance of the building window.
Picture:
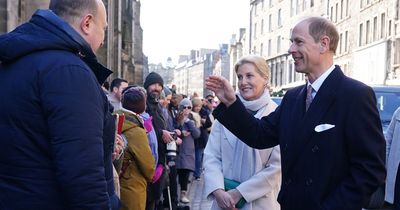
(278, 44)
(311, 3)
(375, 29)
(269, 47)
(304, 4)
(383, 21)
(262, 26)
(346, 34)
(279, 18)
(336, 12)
(347, 8)
(367, 31)
(360, 35)
(261, 49)
(255, 30)
(270, 23)
(262, 4)
(298, 6)
(254, 50)
(361, 4)
(270, 3)
(340, 43)
(341, 9)
(255, 9)
(291, 72)
(390, 28)
(292, 7)
(331, 15)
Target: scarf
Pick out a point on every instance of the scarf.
(245, 156)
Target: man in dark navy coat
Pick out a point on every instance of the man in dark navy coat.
(332, 146)
(56, 131)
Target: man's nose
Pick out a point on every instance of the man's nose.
(291, 48)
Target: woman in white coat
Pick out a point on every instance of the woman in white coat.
(225, 156)
(392, 137)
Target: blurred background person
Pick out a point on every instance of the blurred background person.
(154, 85)
(116, 88)
(392, 137)
(185, 162)
(200, 143)
(226, 157)
(138, 163)
(172, 192)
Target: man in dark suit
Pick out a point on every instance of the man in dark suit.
(332, 146)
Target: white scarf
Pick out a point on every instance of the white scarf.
(257, 105)
(244, 156)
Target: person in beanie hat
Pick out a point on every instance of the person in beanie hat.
(153, 78)
(134, 99)
(138, 162)
(154, 84)
(185, 162)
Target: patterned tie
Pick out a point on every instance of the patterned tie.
(309, 97)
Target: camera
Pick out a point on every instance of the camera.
(172, 150)
(174, 135)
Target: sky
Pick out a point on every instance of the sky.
(174, 27)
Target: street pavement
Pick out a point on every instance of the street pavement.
(198, 201)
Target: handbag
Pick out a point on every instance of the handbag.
(232, 184)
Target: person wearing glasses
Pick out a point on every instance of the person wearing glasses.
(226, 157)
(185, 162)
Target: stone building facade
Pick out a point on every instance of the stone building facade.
(13, 13)
(368, 37)
(123, 46)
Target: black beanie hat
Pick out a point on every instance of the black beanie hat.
(153, 78)
(134, 99)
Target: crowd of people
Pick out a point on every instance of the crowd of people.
(71, 140)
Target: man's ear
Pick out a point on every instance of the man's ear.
(86, 23)
(324, 44)
(115, 90)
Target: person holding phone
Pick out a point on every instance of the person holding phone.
(185, 162)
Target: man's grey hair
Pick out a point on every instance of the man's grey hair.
(72, 10)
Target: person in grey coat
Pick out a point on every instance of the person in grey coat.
(392, 137)
(185, 162)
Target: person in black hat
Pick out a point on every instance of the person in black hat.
(154, 84)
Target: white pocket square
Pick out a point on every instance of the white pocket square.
(323, 127)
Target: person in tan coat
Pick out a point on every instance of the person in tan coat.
(138, 162)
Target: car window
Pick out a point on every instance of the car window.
(277, 100)
(387, 103)
(388, 100)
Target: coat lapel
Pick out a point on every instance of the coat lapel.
(306, 121)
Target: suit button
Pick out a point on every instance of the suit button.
(287, 182)
(309, 182)
(315, 148)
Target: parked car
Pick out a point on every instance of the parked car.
(388, 100)
(277, 99)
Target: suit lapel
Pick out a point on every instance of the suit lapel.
(305, 122)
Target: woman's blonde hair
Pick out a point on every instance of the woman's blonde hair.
(259, 62)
